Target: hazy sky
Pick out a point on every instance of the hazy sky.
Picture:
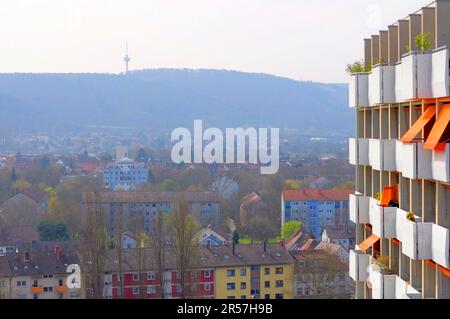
(308, 40)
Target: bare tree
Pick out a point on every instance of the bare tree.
(183, 229)
(141, 243)
(158, 247)
(93, 252)
(318, 273)
(119, 247)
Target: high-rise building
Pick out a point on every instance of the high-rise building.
(402, 156)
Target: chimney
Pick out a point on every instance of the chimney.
(265, 246)
(26, 256)
(58, 252)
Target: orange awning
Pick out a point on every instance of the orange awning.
(445, 271)
(419, 125)
(369, 242)
(438, 128)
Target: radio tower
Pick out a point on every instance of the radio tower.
(126, 59)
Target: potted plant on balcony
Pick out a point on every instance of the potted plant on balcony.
(411, 217)
(358, 67)
(383, 263)
(423, 42)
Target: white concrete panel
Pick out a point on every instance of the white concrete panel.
(375, 154)
(409, 158)
(359, 265)
(398, 155)
(353, 151)
(363, 151)
(424, 236)
(389, 155)
(440, 164)
(363, 209)
(359, 90)
(439, 73)
(440, 245)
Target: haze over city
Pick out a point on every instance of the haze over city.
(269, 36)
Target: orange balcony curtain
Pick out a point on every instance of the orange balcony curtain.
(426, 117)
(438, 128)
(369, 242)
(389, 194)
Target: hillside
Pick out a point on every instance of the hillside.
(163, 99)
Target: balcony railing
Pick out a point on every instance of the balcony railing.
(359, 209)
(37, 289)
(359, 90)
(386, 286)
(61, 289)
(418, 75)
(359, 151)
(359, 265)
(382, 154)
(440, 164)
(415, 160)
(382, 219)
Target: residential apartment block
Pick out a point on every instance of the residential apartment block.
(402, 156)
(36, 275)
(315, 208)
(143, 206)
(220, 272)
(124, 175)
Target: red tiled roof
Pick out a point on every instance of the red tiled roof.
(317, 194)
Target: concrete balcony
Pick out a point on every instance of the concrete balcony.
(422, 75)
(382, 154)
(390, 286)
(415, 236)
(440, 245)
(359, 265)
(440, 83)
(413, 77)
(415, 161)
(383, 220)
(359, 90)
(382, 85)
(359, 209)
(440, 164)
(359, 151)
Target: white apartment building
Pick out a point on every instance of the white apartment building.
(402, 156)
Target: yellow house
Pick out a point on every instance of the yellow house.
(252, 271)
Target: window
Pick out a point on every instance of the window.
(231, 286)
(194, 275)
(45, 289)
(119, 291)
(179, 288)
(243, 285)
(135, 290)
(60, 296)
(231, 273)
(279, 284)
(243, 297)
(267, 271)
(35, 296)
(151, 290)
(135, 276)
(207, 273)
(207, 287)
(300, 291)
(35, 283)
(279, 296)
(231, 297)
(267, 296)
(50, 289)
(150, 276)
(243, 272)
(254, 268)
(267, 284)
(21, 283)
(60, 282)
(279, 270)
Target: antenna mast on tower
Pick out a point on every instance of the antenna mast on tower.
(126, 58)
